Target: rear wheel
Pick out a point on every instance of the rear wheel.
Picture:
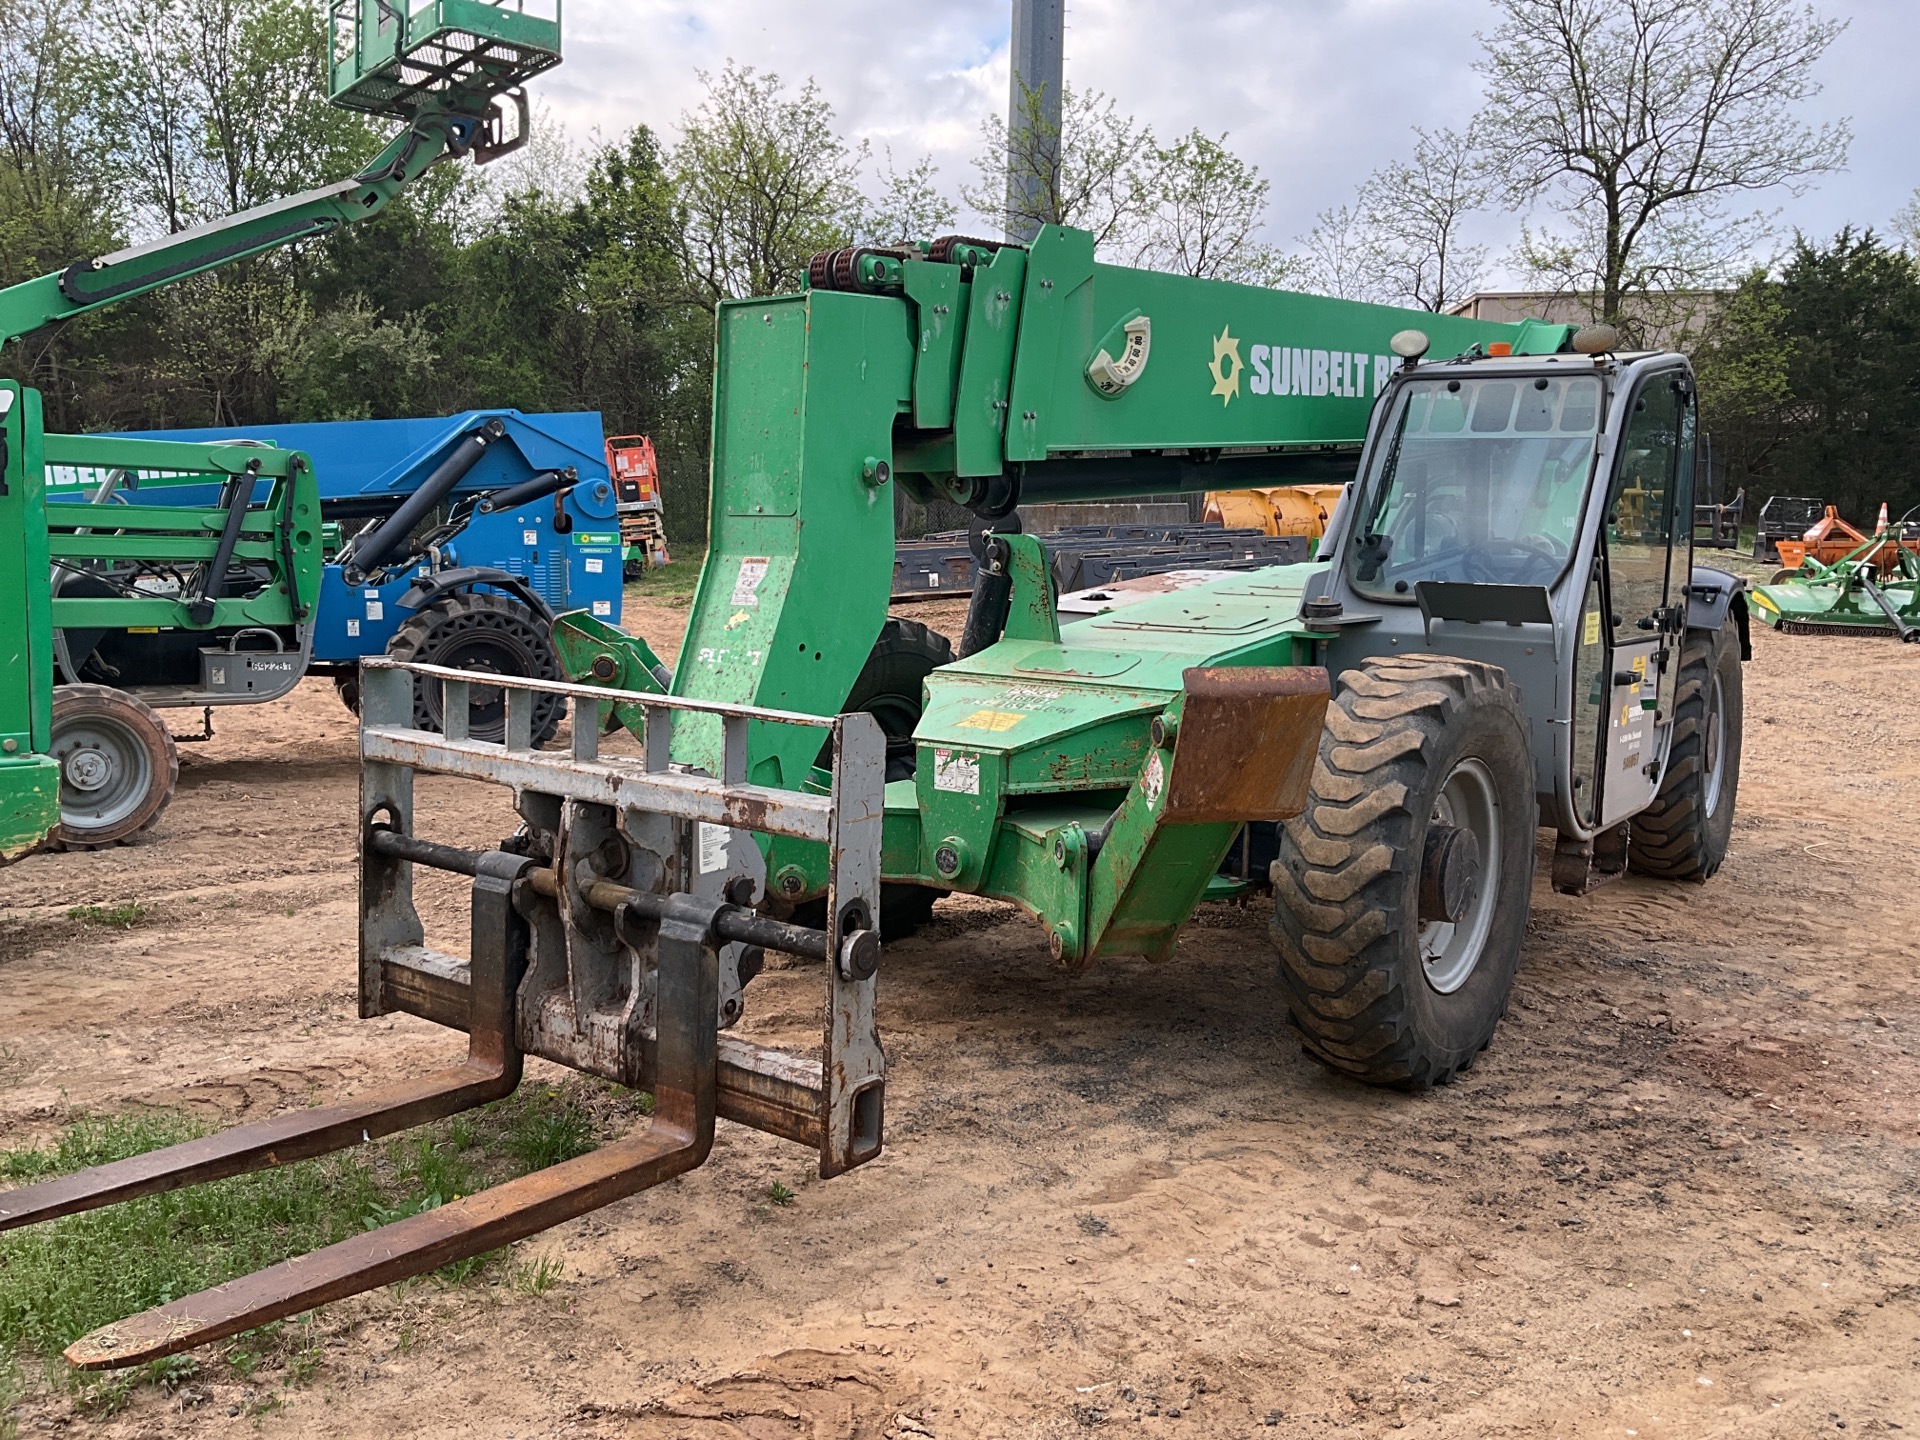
(118, 766)
(1401, 894)
(487, 635)
(891, 687)
(1685, 833)
(347, 686)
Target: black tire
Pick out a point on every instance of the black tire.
(891, 687)
(1780, 577)
(1685, 833)
(1410, 739)
(118, 766)
(489, 634)
(347, 686)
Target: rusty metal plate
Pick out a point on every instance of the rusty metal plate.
(1246, 743)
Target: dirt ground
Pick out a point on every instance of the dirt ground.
(1675, 1198)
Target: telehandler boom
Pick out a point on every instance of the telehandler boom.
(1503, 631)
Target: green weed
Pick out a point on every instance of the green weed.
(779, 1194)
(538, 1275)
(545, 1127)
(114, 917)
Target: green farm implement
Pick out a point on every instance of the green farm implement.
(1504, 632)
(1872, 590)
(220, 594)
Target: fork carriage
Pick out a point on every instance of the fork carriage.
(614, 935)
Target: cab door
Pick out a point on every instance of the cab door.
(1628, 648)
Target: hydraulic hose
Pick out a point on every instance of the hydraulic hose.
(378, 544)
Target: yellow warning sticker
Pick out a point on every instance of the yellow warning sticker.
(1640, 665)
(991, 720)
(1592, 635)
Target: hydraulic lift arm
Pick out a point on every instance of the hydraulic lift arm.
(89, 284)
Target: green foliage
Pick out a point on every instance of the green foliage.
(115, 917)
(1810, 382)
(780, 1195)
(764, 182)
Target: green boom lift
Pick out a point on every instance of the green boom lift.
(1504, 631)
(232, 581)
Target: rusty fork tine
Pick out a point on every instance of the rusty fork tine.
(467, 1227)
(678, 1139)
(279, 1141)
(491, 1071)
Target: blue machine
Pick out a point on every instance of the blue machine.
(464, 536)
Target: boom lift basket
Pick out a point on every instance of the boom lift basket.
(612, 935)
(395, 57)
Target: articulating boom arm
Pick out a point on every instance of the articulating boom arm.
(89, 284)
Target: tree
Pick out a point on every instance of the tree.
(1401, 242)
(764, 184)
(910, 206)
(1810, 383)
(1086, 172)
(1647, 119)
(1340, 256)
(1906, 224)
(1200, 208)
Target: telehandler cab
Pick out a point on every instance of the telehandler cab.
(1502, 631)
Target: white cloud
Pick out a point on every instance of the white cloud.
(1316, 92)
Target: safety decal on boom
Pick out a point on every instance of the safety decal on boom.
(746, 587)
(956, 772)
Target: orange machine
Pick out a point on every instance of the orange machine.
(1833, 539)
(636, 495)
(1275, 510)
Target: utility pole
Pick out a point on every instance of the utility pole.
(1033, 112)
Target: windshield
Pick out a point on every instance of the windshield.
(1481, 480)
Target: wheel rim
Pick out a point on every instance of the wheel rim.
(1449, 950)
(1715, 743)
(105, 772)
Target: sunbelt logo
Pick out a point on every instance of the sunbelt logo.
(1271, 369)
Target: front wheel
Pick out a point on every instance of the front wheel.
(1402, 892)
(1685, 833)
(118, 766)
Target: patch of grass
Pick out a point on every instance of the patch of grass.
(545, 1127)
(114, 917)
(11, 1394)
(60, 1280)
(779, 1194)
(676, 579)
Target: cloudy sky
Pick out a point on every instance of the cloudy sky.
(1316, 92)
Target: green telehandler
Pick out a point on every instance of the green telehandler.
(230, 586)
(1502, 632)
